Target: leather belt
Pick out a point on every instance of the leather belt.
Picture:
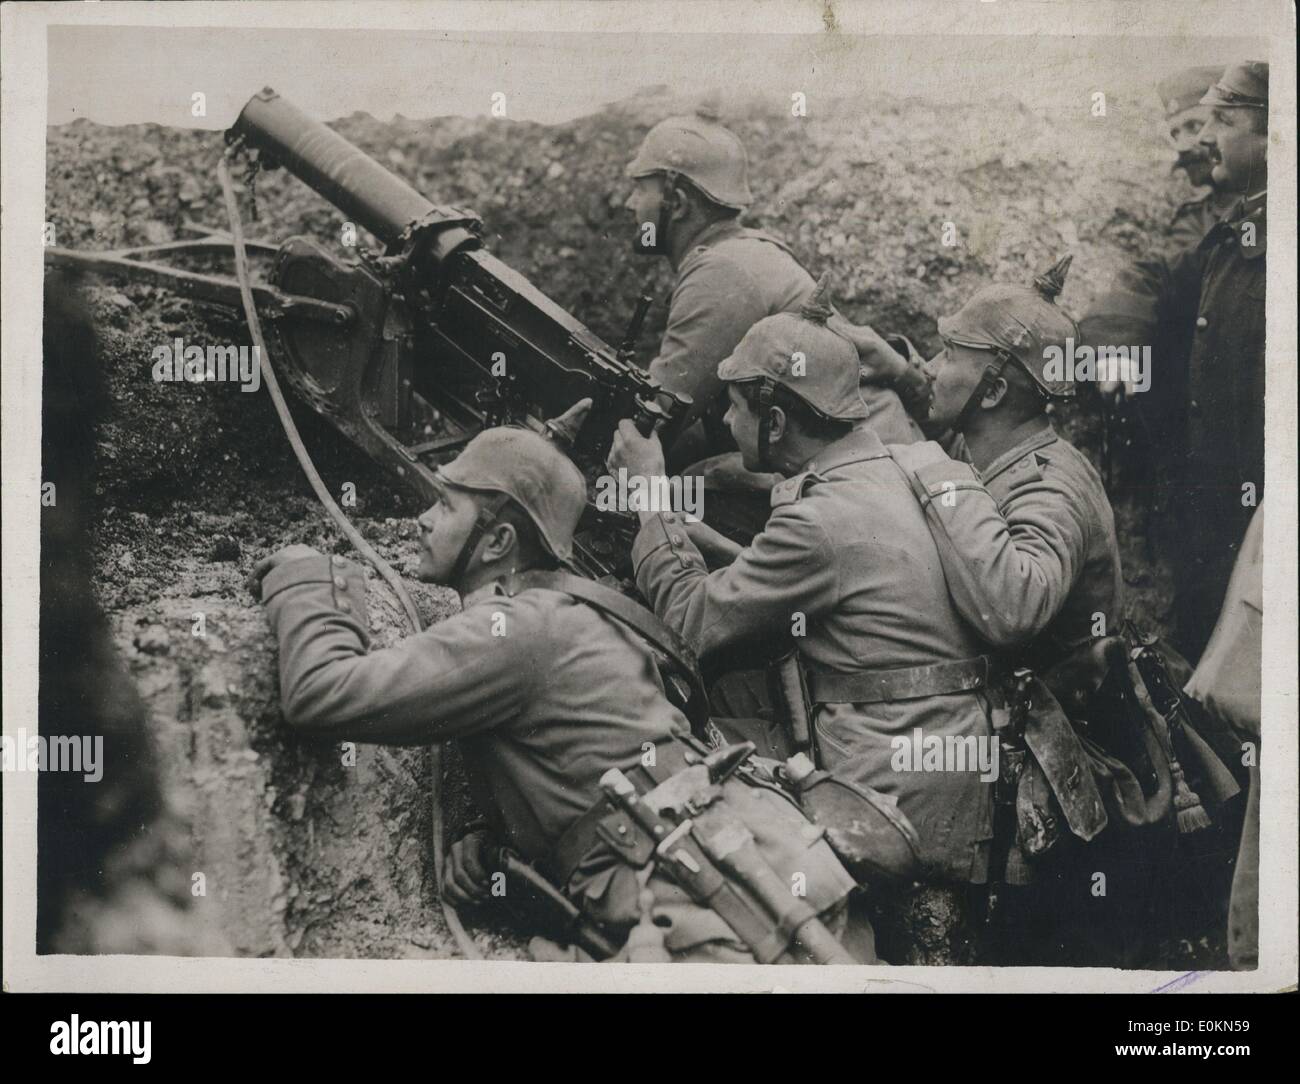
(906, 683)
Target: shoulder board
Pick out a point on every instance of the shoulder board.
(716, 258)
(918, 455)
(1028, 468)
(791, 490)
(930, 471)
(748, 234)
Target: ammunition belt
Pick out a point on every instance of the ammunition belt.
(905, 683)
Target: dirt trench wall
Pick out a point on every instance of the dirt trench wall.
(303, 855)
(306, 847)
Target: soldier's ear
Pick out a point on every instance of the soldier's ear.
(677, 200)
(995, 394)
(779, 425)
(500, 541)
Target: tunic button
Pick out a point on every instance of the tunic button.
(345, 606)
(676, 540)
(668, 517)
(340, 583)
(1202, 322)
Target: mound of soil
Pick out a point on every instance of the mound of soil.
(307, 855)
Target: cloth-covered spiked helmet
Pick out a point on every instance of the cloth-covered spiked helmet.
(531, 471)
(803, 355)
(1020, 321)
(700, 149)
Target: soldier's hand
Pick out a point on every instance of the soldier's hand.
(879, 363)
(567, 426)
(916, 388)
(465, 879)
(1116, 391)
(279, 557)
(635, 453)
(716, 548)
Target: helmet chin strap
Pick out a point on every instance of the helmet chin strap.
(666, 205)
(487, 516)
(988, 381)
(766, 397)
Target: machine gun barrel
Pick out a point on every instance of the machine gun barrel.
(439, 326)
(343, 174)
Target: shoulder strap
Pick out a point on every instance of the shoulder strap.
(640, 620)
(749, 233)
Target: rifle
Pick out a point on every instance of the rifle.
(550, 907)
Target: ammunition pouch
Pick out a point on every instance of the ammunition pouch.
(755, 908)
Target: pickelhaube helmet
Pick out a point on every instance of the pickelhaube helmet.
(800, 353)
(1019, 321)
(531, 471)
(700, 149)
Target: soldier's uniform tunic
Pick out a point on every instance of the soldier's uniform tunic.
(847, 547)
(1193, 218)
(544, 695)
(1135, 311)
(732, 278)
(541, 711)
(1215, 294)
(1028, 543)
(1029, 549)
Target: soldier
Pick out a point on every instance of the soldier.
(1128, 311)
(1027, 538)
(690, 183)
(846, 570)
(546, 693)
(1214, 294)
(1025, 530)
(1185, 115)
(1228, 682)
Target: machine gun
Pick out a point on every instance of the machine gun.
(435, 327)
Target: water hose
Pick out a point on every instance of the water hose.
(385, 570)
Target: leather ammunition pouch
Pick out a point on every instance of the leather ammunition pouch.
(599, 823)
(792, 850)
